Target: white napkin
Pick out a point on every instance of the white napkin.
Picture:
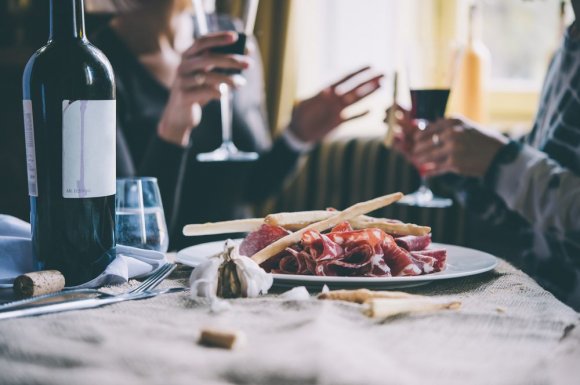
(16, 257)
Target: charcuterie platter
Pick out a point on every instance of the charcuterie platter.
(341, 249)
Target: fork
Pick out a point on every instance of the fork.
(150, 283)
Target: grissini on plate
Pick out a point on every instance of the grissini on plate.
(298, 220)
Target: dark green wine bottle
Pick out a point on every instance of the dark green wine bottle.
(69, 119)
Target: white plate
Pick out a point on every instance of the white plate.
(461, 262)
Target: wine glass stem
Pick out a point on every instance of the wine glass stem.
(226, 111)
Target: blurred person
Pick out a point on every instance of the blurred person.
(522, 196)
(168, 111)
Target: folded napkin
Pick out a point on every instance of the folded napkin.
(16, 257)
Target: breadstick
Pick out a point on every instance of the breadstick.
(300, 219)
(339, 217)
(364, 222)
(383, 308)
(297, 220)
(236, 226)
(38, 283)
(362, 295)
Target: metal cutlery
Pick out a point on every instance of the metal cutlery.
(85, 303)
(78, 294)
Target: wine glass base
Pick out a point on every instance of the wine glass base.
(422, 199)
(227, 153)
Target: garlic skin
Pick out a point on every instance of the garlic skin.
(254, 279)
(205, 278)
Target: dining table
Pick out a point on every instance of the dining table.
(508, 330)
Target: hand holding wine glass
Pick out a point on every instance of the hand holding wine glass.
(430, 80)
(465, 149)
(196, 84)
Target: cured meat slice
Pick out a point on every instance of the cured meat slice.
(320, 247)
(414, 242)
(436, 258)
(296, 262)
(257, 240)
(340, 228)
(347, 239)
(398, 259)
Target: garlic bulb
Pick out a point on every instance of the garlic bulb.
(229, 275)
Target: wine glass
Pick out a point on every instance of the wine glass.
(227, 152)
(430, 76)
(140, 221)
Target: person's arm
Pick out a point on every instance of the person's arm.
(537, 187)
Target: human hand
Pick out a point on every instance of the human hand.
(457, 146)
(404, 131)
(313, 118)
(196, 85)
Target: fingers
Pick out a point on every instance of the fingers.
(208, 62)
(217, 39)
(361, 90)
(211, 79)
(432, 154)
(201, 95)
(348, 77)
(360, 115)
(440, 167)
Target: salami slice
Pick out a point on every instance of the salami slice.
(257, 240)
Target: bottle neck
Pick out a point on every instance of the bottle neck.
(474, 32)
(67, 20)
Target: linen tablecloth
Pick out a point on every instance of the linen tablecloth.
(509, 331)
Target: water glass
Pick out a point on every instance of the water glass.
(140, 221)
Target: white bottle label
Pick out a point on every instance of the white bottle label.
(30, 148)
(88, 148)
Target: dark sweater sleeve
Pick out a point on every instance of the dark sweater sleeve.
(160, 159)
(271, 171)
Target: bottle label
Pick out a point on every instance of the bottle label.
(88, 148)
(30, 148)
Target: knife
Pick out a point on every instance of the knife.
(85, 303)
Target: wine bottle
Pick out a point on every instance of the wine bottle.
(69, 123)
(470, 93)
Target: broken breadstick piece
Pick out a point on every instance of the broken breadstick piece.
(221, 338)
(363, 295)
(339, 217)
(38, 283)
(384, 308)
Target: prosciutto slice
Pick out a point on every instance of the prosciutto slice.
(399, 259)
(414, 242)
(430, 261)
(295, 262)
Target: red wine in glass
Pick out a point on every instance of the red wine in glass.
(427, 105)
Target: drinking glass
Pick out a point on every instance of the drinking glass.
(140, 221)
(430, 75)
(227, 152)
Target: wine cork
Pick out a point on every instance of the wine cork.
(38, 283)
(221, 338)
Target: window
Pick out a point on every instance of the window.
(337, 36)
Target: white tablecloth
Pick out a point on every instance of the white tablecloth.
(509, 331)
